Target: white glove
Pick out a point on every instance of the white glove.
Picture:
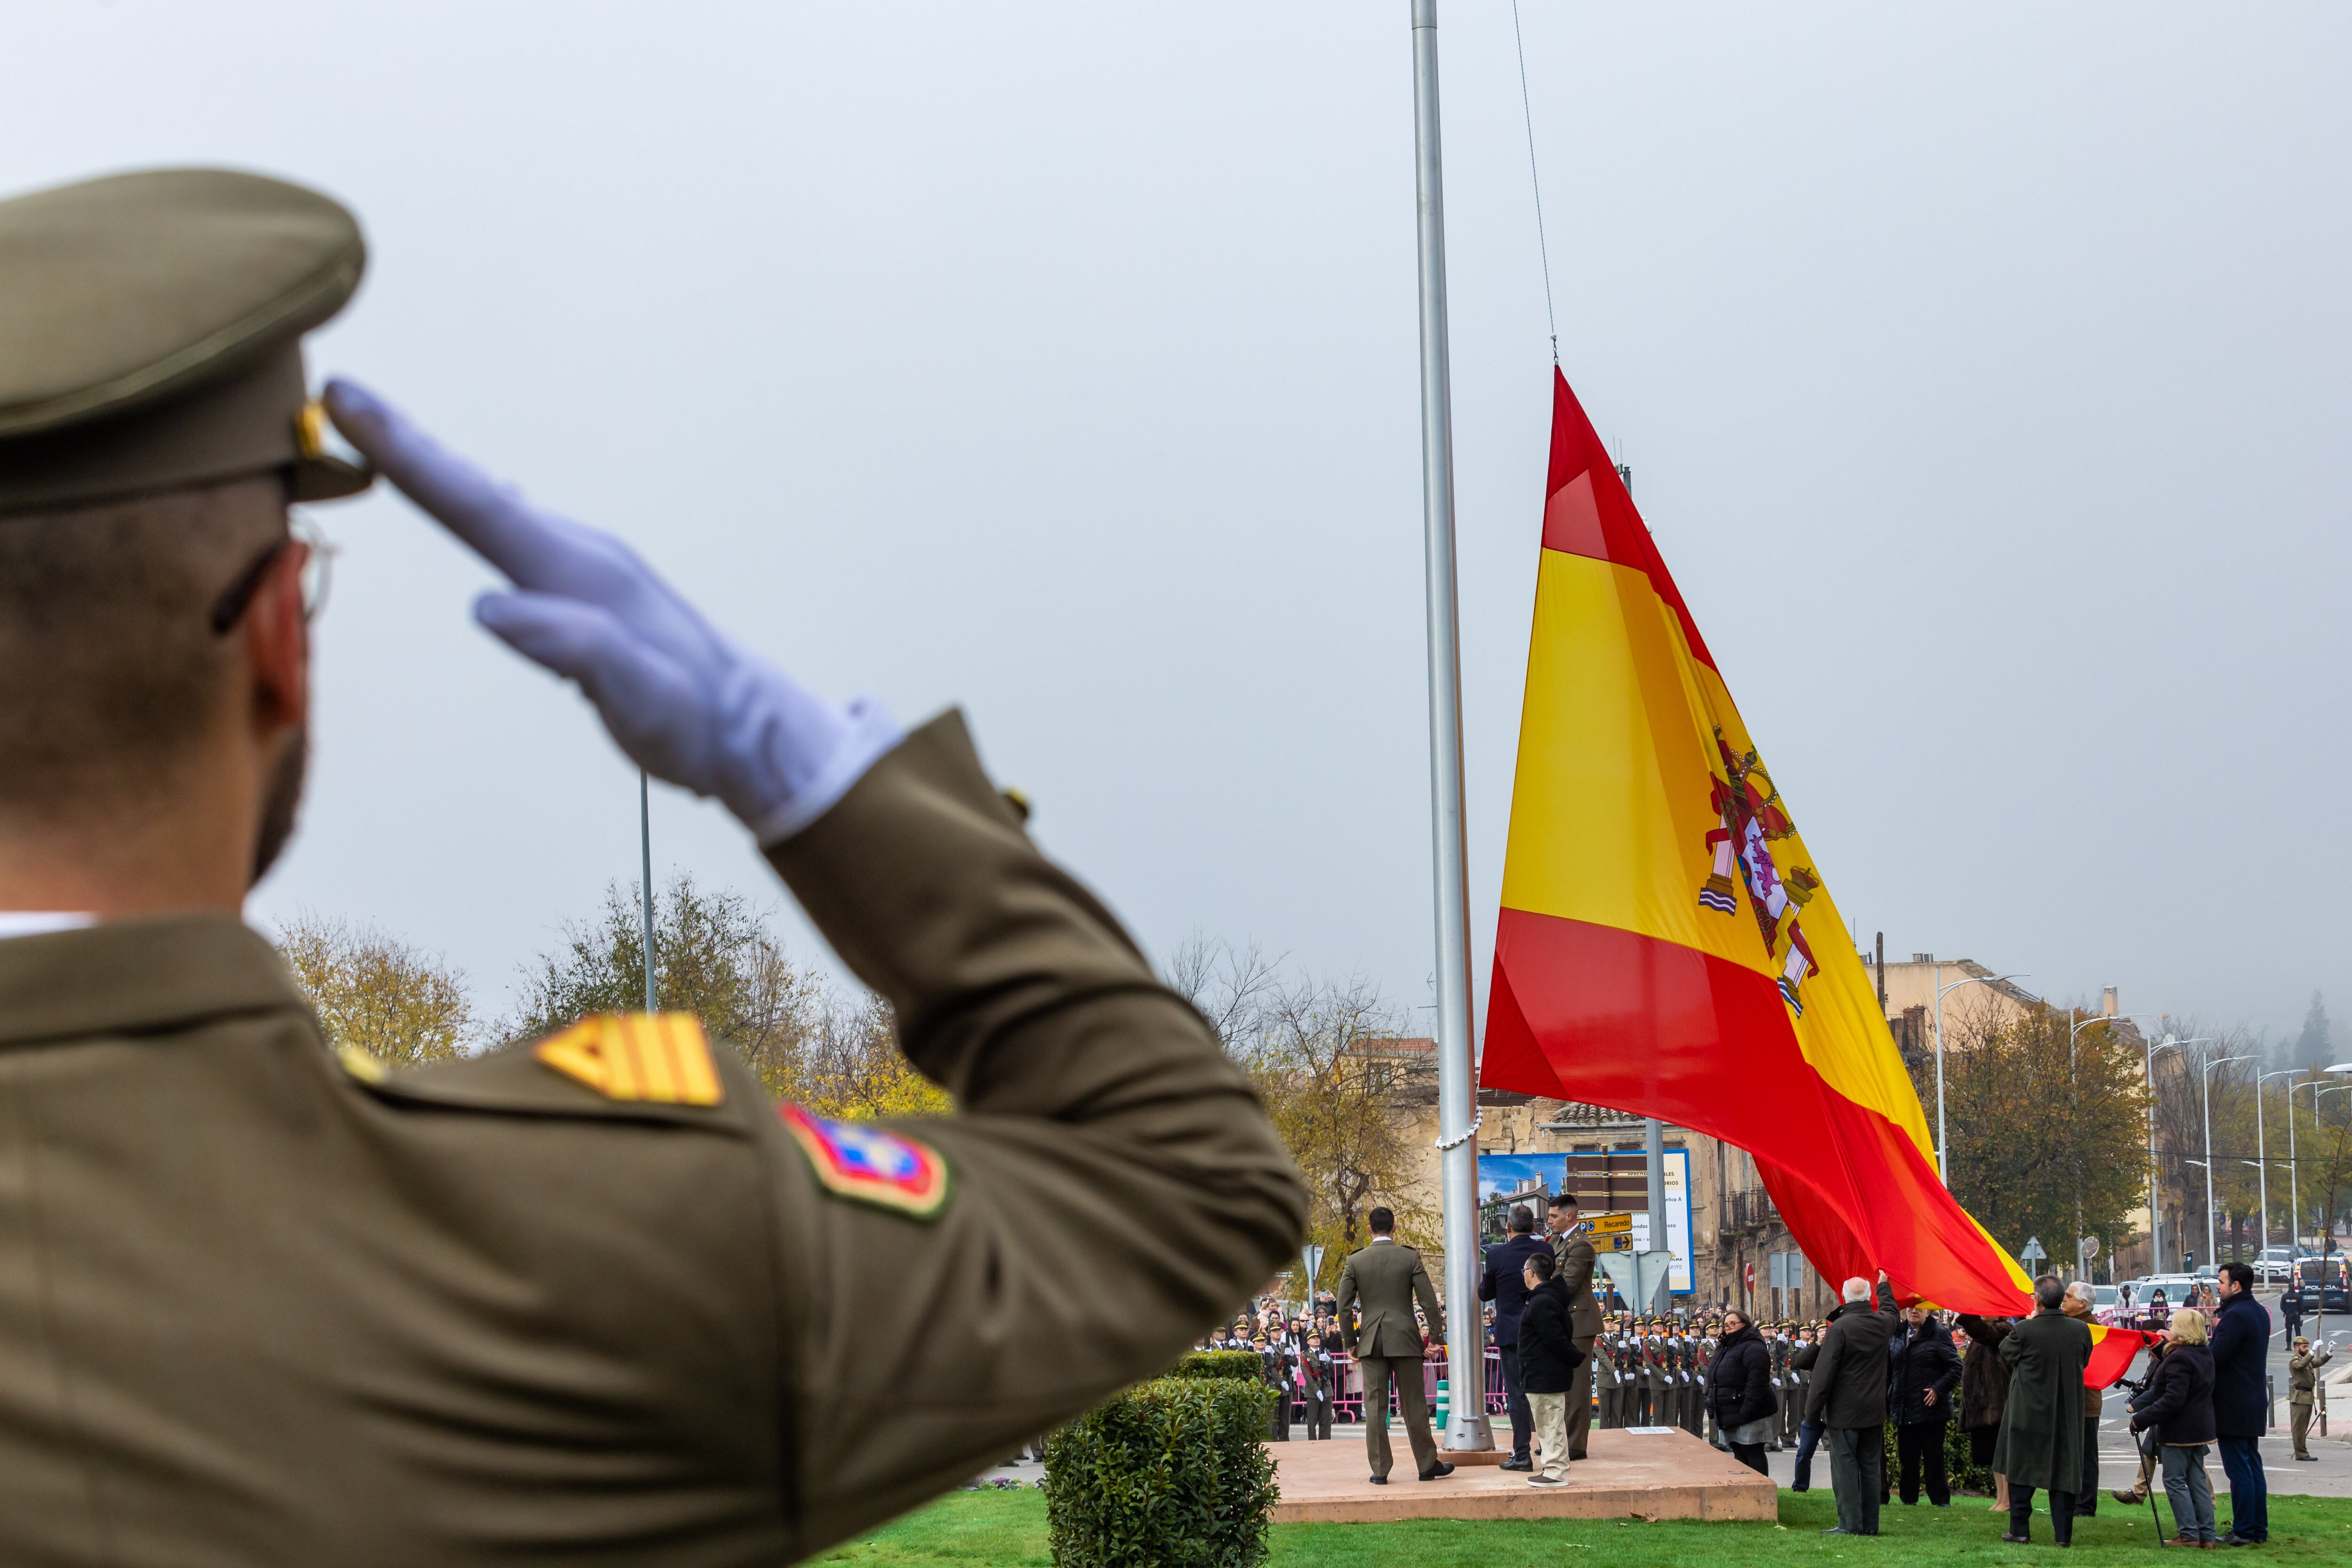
(682, 700)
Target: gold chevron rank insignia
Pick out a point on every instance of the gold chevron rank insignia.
(659, 1058)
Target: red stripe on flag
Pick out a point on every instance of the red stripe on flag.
(1588, 511)
(1608, 1016)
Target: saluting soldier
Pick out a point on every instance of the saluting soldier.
(2303, 1388)
(594, 1298)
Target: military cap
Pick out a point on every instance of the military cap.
(150, 335)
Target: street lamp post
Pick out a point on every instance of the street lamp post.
(2205, 1086)
(2074, 1096)
(2262, 1152)
(2294, 1171)
(1943, 1166)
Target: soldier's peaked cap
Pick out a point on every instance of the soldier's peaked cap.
(150, 335)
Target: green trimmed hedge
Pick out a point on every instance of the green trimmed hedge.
(1174, 1473)
(1243, 1364)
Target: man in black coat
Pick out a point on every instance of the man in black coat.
(1504, 1283)
(2040, 1439)
(1922, 1370)
(2240, 1339)
(1849, 1399)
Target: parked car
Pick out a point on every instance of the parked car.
(2275, 1266)
(2106, 1304)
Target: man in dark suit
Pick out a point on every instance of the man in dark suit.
(1572, 1252)
(1386, 1277)
(1504, 1284)
(2240, 1341)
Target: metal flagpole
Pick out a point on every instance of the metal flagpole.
(645, 849)
(1466, 1425)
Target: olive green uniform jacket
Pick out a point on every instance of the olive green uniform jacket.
(1574, 1262)
(2303, 1375)
(2040, 1441)
(255, 1308)
(1387, 1277)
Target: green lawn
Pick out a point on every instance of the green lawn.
(1008, 1528)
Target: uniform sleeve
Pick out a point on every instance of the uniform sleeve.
(1345, 1301)
(1115, 1187)
(1825, 1374)
(1576, 1264)
(1427, 1292)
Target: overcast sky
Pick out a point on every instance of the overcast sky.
(1984, 372)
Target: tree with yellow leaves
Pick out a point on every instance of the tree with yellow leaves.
(401, 1006)
(716, 957)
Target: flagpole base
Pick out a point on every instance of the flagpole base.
(1470, 1433)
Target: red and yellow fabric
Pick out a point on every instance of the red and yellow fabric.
(1667, 944)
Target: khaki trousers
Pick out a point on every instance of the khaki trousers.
(1579, 1406)
(1552, 1422)
(1413, 1404)
(2300, 1420)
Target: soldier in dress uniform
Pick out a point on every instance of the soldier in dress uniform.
(1778, 1347)
(1655, 1409)
(2303, 1388)
(1389, 1278)
(599, 1297)
(1605, 1380)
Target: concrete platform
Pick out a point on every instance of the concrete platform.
(1667, 1474)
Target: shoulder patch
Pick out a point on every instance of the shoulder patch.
(870, 1164)
(660, 1057)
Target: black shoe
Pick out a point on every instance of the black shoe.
(1380, 1481)
(1840, 1529)
(2017, 1540)
(2234, 1539)
(1517, 1462)
(1437, 1471)
(2313, 1458)
(1771, 1448)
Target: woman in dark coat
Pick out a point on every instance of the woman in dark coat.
(1740, 1391)
(1984, 1390)
(2179, 1403)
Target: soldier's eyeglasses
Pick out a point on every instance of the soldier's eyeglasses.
(317, 573)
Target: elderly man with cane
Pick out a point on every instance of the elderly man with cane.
(2040, 1441)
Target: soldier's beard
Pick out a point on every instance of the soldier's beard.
(282, 804)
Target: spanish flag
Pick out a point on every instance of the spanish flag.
(1667, 944)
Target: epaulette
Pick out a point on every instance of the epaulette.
(628, 1067)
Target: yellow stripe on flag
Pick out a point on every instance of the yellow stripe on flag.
(1611, 812)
